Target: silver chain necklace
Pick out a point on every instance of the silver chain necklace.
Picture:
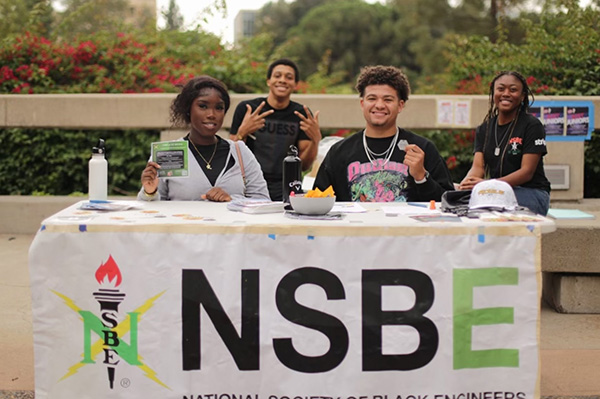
(497, 149)
(387, 154)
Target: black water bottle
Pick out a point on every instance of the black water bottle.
(292, 173)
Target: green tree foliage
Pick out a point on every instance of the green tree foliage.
(90, 16)
(173, 17)
(41, 17)
(482, 17)
(559, 54)
(322, 81)
(13, 15)
(278, 18)
(422, 24)
(406, 33)
(244, 67)
(354, 32)
(35, 15)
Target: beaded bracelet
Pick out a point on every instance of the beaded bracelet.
(153, 194)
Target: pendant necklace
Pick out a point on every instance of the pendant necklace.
(204, 159)
(497, 149)
(387, 154)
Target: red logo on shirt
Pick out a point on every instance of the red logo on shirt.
(515, 144)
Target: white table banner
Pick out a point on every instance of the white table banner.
(438, 315)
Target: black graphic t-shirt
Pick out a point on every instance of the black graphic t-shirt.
(354, 177)
(282, 129)
(528, 137)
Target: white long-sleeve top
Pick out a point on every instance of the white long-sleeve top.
(191, 188)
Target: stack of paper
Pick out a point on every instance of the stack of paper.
(105, 205)
(249, 205)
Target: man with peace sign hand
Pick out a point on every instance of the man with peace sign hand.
(270, 125)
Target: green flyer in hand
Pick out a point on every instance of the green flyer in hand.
(172, 156)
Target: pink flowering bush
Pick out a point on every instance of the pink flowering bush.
(33, 64)
(124, 63)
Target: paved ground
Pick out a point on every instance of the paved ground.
(570, 343)
(16, 336)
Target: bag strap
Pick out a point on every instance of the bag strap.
(239, 153)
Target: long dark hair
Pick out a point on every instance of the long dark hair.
(493, 113)
(180, 107)
(493, 110)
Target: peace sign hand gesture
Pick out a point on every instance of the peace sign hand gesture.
(310, 124)
(253, 121)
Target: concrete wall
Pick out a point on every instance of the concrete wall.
(567, 153)
(24, 214)
(127, 111)
(119, 111)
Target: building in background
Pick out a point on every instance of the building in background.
(243, 25)
(141, 10)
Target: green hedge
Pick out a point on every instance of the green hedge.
(55, 161)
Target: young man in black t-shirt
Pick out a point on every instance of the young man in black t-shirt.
(270, 125)
(384, 163)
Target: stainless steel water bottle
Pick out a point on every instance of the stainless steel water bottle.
(292, 173)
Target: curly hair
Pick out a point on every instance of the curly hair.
(181, 105)
(284, 61)
(383, 75)
(493, 110)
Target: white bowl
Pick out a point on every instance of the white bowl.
(311, 205)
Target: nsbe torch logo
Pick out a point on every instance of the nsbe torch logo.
(110, 348)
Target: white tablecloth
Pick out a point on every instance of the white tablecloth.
(190, 300)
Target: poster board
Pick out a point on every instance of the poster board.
(565, 120)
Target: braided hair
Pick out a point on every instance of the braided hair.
(493, 110)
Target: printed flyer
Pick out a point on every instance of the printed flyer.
(554, 120)
(172, 156)
(565, 120)
(578, 121)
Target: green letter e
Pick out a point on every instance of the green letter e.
(465, 317)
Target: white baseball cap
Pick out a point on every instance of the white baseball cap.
(493, 194)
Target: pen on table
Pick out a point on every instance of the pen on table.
(419, 204)
(99, 201)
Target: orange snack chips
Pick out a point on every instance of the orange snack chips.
(316, 193)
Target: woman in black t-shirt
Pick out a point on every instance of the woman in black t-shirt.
(510, 144)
